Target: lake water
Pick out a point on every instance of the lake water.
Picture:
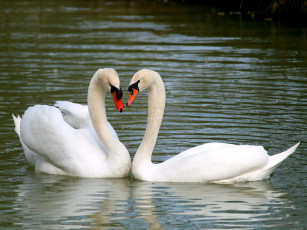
(227, 80)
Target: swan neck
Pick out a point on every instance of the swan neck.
(96, 106)
(156, 104)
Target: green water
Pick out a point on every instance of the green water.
(227, 80)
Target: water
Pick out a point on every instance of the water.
(226, 79)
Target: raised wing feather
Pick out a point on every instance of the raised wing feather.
(77, 116)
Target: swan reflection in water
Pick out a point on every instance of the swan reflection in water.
(75, 201)
(199, 203)
(55, 200)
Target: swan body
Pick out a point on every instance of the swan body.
(211, 162)
(76, 140)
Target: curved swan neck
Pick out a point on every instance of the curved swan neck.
(156, 104)
(96, 106)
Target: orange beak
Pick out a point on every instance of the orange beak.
(132, 96)
(118, 103)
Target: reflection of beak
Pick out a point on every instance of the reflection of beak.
(132, 96)
(118, 103)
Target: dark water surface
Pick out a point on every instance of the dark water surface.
(227, 80)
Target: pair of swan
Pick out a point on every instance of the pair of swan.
(76, 140)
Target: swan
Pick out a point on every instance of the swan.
(211, 162)
(73, 139)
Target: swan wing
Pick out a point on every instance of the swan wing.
(44, 131)
(77, 116)
(214, 162)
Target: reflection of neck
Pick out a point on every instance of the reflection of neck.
(96, 106)
(156, 104)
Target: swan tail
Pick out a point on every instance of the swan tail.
(17, 121)
(265, 172)
(31, 156)
(273, 163)
(276, 159)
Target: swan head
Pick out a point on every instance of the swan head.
(140, 81)
(109, 80)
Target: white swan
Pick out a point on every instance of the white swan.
(212, 162)
(79, 141)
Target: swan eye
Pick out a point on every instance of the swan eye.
(134, 86)
(119, 92)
